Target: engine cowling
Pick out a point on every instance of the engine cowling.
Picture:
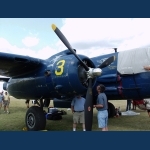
(69, 76)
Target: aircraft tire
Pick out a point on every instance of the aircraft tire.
(111, 110)
(35, 119)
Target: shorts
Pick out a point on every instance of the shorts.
(6, 103)
(78, 117)
(102, 117)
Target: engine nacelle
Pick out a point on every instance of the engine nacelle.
(61, 76)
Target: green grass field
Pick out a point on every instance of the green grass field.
(15, 121)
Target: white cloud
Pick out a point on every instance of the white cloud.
(96, 36)
(43, 53)
(5, 46)
(46, 52)
(89, 36)
(30, 41)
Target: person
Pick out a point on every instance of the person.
(147, 104)
(6, 102)
(77, 107)
(134, 102)
(27, 102)
(1, 100)
(102, 108)
(128, 107)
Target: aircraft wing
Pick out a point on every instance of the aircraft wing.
(12, 65)
(4, 79)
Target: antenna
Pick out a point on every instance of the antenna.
(115, 50)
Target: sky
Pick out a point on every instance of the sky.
(89, 36)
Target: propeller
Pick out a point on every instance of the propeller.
(89, 107)
(91, 73)
(107, 62)
(89, 98)
(67, 44)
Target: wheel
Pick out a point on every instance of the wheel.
(35, 119)
(111, 110)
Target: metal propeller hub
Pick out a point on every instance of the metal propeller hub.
(84, 75)
(93, 72)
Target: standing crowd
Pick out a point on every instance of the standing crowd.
(4, 101)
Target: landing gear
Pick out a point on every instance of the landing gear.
(111, 110)
(35, 119)
(46, 102)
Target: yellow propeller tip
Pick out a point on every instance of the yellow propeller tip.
(53, 27)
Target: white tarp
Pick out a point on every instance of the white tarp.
(129, 113)
(132, 61)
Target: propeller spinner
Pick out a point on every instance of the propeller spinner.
(91, 73)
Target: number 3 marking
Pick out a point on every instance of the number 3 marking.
(60, 65)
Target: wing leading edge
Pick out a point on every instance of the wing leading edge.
(12, 65)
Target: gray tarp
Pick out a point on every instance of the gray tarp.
(132, 61)
(129, 113)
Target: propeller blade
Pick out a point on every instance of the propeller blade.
(88, 107)
(67, 44)
(107, 62)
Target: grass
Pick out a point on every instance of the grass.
(15, 121)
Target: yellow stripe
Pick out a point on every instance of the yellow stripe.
(54, 27)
